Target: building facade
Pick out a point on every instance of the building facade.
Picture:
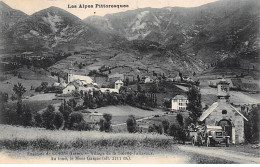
(118, 84)
(179, 102)
(222, 113)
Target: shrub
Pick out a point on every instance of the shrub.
(105, 123)
(81, 126)
(26, 116)
(75, 118)
(165, 124)
(252, 125)
(156, 128)
(151, 128)
(65, 110)
(180, 119)
(131, 124)
(48, 117)
(101, 124)
(8, 116)
(173, 130)
(38, 120)
(58, 120)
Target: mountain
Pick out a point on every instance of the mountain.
(208, 32)
(53, 28)
(9, 16)
(166, 40)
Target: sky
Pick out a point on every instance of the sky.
(31, 6)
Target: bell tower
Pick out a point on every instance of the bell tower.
(223, 90)
(70, 73)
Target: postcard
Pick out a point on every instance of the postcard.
(129, 82)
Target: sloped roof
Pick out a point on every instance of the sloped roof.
(116, 75)
(119, 81)
(206, 113)
(180, 97)
(82, 78)
(238, 112)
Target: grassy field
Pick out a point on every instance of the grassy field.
(120, 113)
(34, 105)
(31, 145)
(19, 138)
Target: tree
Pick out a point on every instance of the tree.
(19, 90)
(194, 104)
(74, 119)
(26, 116)
(58, 120)
(252, 125)
(48, 117)
(173, 130)
(158, 128)
(38, 120)
(3, 97)
(138, 78)
(180, 75)
(167, 103)
(105, 123)
(180, 119)
(65, 110)
(165, 124)
(131, 124)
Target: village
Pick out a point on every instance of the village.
(154, 96)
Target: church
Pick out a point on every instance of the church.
(222, 113)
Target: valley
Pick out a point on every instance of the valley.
(137, 80)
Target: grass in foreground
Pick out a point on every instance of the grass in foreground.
(18, 138)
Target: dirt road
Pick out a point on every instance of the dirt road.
(223, 153)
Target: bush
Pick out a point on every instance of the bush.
(105, 123)
(38, 120)
(252, 125)
(75, 118)
(65, 110)
(179, 118)
(156, 128)
(81, 126)
(26, 116)
(8, 116)
(48, 117)
(173, 130)
(131, 124)
(58, 120)
(165, 124)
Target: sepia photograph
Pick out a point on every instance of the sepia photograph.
(129, 81)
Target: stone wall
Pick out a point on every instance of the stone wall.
(236, 120)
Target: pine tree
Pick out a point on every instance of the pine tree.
(194, 105)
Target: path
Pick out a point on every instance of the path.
(138, 120)
(238, 157)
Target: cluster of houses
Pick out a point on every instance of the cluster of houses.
(220, 113)
(85, 84)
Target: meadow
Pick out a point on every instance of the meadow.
(20, 138)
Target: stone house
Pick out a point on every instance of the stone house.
(222, 113)
(119, 84)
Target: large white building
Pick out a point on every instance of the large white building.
(179, 102)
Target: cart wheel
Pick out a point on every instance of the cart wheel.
(208, 142)
(227, 142)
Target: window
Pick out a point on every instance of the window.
(224, 111)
